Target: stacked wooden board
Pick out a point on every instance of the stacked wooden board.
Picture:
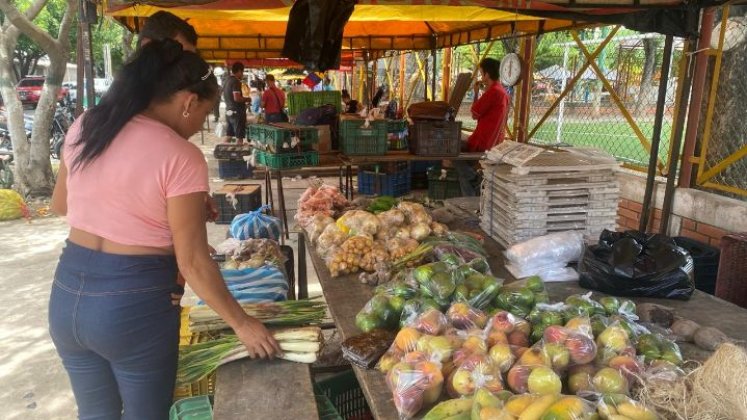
(551, 192)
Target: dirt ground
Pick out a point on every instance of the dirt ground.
(35, 385)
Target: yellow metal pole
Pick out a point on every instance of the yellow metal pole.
(616, 99)
(361, 82)
(421, 72)
(728, 161)
(446, 75)
(712, 98)
(402, 76)
(569, 87)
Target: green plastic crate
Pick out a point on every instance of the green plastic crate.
(274, 138)
(346, 395)
(299, 101)
(287, 160)
(326, 409)
(442, 189)
(396, 126)
(194, 408)
(359, 140)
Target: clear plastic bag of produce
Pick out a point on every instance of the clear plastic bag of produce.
(250, 253)
(382, 204)
(12, 205)
(416, 306)
(357, 252)
(316, 225)
(415, 213)
(464, 243)
(438, 281)
(635, 264)
(381, 311)
(583, 305)
(364, 350)
(520, 297)
(464, 317)
(507, 337)
(614, 345)
(477, 289)
(618, 306)
(331, 237)
(544, 315)
(357, 222)
(654, 347)
(471, 342)
(475, 372)
(563, 347)
(393, 218)
(552, 250)
(612, 406)
(549, 406)
(430, 321)
(455, 255)
(416, 382)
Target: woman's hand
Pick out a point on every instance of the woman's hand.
(258, 340)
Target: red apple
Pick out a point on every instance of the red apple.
(503, 322)
(518, 377)
(555, 334)
(583, 349)
(518, 338)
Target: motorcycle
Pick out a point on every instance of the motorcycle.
(61, 122)
(6, 175)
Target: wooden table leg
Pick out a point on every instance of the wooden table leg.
(341, 173)
(350, 181)
(301, 280)
(268, 189)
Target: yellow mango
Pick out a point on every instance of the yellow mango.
(518, 403)
(636, 412)
(537, 408)
(618, 417)
(566, 408)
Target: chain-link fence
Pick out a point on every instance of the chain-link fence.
(607, 102)
(723, 126)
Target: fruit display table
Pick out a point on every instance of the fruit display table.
(346, 295)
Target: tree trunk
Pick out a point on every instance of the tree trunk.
(33, 168)
(647, 77)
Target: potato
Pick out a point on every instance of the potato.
(709, 338)
(685, 329)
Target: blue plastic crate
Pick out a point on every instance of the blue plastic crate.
(234, 169)
(393, 184)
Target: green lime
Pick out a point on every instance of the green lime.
(366, 322)
(397, 303)
(535, 284)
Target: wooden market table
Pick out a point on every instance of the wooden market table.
(347, 163)
(346, 295)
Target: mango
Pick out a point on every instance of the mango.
(450, 408)
(518, 403)
(566, 408)
(537, 408)
(635, 412)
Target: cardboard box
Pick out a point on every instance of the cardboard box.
(324, 145)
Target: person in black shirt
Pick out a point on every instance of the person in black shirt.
(235, 104)
(351, 105)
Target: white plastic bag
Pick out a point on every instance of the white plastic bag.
(555, 249)
(220, 129)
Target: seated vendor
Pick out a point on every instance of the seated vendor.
(351, 105)
(490, 110)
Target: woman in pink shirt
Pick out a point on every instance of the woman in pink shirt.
(134, 189)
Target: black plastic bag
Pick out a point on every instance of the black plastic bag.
(636, 264)
(314, 34)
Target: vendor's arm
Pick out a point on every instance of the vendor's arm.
(482, 104)
(59, 196)
(186, 214)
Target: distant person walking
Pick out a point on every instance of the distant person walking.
(235, 104)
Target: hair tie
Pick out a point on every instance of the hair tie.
(209, 72)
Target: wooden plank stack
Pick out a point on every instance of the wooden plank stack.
(554, 191)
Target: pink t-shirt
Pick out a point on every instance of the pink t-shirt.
(121, 195)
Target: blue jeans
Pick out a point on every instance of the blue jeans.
(467, 176)
(117, 332)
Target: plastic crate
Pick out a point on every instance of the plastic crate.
(731, 281)
(436, 138)
(247, 197)
(287, 160)
(205, 386)
(376, 183)
(422, 166)
(225, 151)
(279, 137)
(359, 140)
(234, 169)
(346, 395)
(442, 189)
(705, 258)
(194, 408)
(326, 409)
(298, 101)
(396, 126)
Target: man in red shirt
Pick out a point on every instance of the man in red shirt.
(490, 110)
(273, 101)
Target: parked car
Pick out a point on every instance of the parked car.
(100, 86)
(30, 87)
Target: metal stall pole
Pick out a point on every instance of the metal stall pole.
(656, 137)
(666, 208)
(435, 75)
(446, 74)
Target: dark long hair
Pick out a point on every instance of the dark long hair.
(155, 74)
